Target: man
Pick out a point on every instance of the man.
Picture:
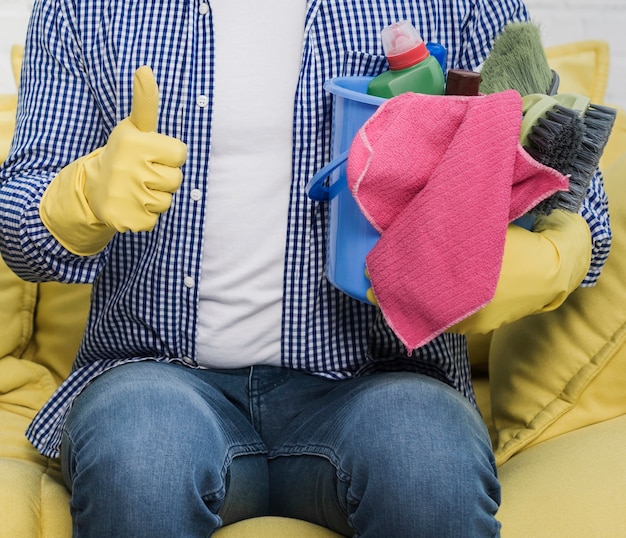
(221, 376)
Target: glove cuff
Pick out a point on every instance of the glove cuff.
(570, 235)
(65, 212)
(539, 270)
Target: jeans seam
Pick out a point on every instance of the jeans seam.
(324, 451)
(230, 456)
(329, 455)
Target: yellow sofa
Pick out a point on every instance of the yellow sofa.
(552, 387)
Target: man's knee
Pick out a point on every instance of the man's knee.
(422, 447)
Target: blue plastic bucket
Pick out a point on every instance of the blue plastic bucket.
(350, 235)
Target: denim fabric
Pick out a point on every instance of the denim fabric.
(159, 450)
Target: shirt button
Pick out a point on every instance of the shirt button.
(202, 101)
(189, 281)
(204, 8)
(195, 195)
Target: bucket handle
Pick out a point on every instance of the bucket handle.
(315, 188)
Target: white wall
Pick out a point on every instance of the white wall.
(13, 21)
(562, 21)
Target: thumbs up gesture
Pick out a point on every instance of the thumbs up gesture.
(123, 186)
(132, 179)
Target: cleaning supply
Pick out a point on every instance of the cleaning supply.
(123, 186)
(518, 61)
(414, 66)
(568, 134)
(350, 235)
(411, 66)
(458, 82)
(442, 235)
(598, 124)
(439, 52)
(553, 136)
(462, 82)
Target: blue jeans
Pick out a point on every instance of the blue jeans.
(160, 450)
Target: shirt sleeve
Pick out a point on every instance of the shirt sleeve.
(595, 210)
(57, 121)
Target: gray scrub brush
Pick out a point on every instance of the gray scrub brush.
(565, 132)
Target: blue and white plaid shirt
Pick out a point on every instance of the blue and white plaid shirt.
(76, 86)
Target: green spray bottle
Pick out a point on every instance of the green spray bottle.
(411, 66)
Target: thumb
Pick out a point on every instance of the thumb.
(144, 112)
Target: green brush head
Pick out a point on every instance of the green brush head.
(517, 61)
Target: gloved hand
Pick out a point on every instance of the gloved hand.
(369, 294)
(123, 186)
(539, 270)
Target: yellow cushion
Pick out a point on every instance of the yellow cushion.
(583, 67)
(33, 501)
(274, 527)
(40, 328)
(16, 296)
(558, 371)
(60, 309)
(8, 105)
(24, 387)
(57, 336)
(17, 54)
(571, 487)
(33, 365)
(18, 299)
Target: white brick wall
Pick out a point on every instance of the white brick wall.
(562, 21)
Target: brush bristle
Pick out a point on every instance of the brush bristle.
(598, 123)
(555, 140)
(517, 61)
(570, 141)
(589, 137)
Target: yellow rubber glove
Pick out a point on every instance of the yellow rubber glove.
(369, 294)
(539, 270)
(123, 186)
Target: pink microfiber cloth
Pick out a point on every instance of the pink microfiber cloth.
(441, 177)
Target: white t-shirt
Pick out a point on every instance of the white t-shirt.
(258, 47)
